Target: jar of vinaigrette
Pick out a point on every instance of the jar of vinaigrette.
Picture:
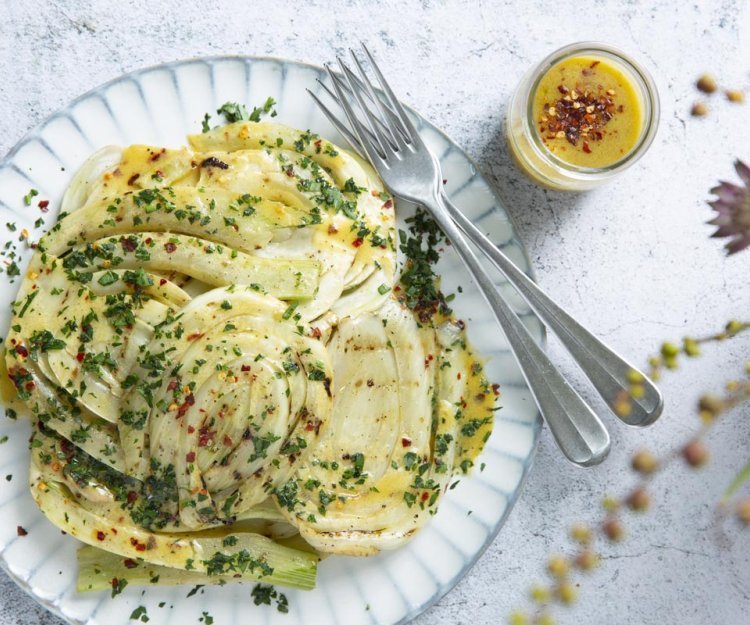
(584, 114)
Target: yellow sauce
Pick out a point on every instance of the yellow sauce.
(607, 121)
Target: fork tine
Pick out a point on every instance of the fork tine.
(391, 131)
(381, 137)
(345, 87)
(411, 131)
(339, 125)
(370, 146)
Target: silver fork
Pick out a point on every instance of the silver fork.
(389, 140)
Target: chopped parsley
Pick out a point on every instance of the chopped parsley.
(139, 614)
(420, 286)
(29, 196)
(235, 112)
(263, 594)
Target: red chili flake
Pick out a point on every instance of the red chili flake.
(425, 496)
(458, 375)
(445, 181)
(128, 245)
(405, 441)
(227, 441)
(430, 357)
(158, 155)
(170, 247)
(21, 350)
(189, 401)
(194, 336)
(496, 389)
(460, 323)
(80, 356)
(43, 204)
(577, 115)
(388, 204)
(148, 241)
(586, 147)
(139, 546)
(316, 333)
(358, 241)
(172, 384)
(132, 496)
(21, 531)
(29, 386)
(133, 178)
(162, 282)
(129, 563)
(245, 368)
(205, 436)
(313, 426)
(191, 429)
(100, 535)
(190, 456)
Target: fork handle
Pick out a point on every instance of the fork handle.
(575, 427)
(609, 373)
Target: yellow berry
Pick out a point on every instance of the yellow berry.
(637, 391)
(558, 566)
(613, 529)
(634, 377)
(540, 594)
(695, 453)
(733, 327)
(581, 533)
(690, 347)
(735, 95)
(518, 618)
(699, 109)
(743, 511)
(622, 407)
(587, 560)
(638, 500)
(710, 403)
(669, 350)
(610, 504)
(566, 593)
(644, 462)
(706, 83)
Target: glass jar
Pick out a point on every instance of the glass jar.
(528, 147)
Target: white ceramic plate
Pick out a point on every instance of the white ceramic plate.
(160, 105)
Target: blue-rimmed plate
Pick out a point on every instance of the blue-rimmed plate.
(160, 105)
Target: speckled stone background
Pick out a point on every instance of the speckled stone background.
(633, 260)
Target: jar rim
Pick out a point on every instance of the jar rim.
(644, 82)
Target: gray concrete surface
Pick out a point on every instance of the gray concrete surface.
(633, 260)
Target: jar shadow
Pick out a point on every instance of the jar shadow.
(530, 206)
